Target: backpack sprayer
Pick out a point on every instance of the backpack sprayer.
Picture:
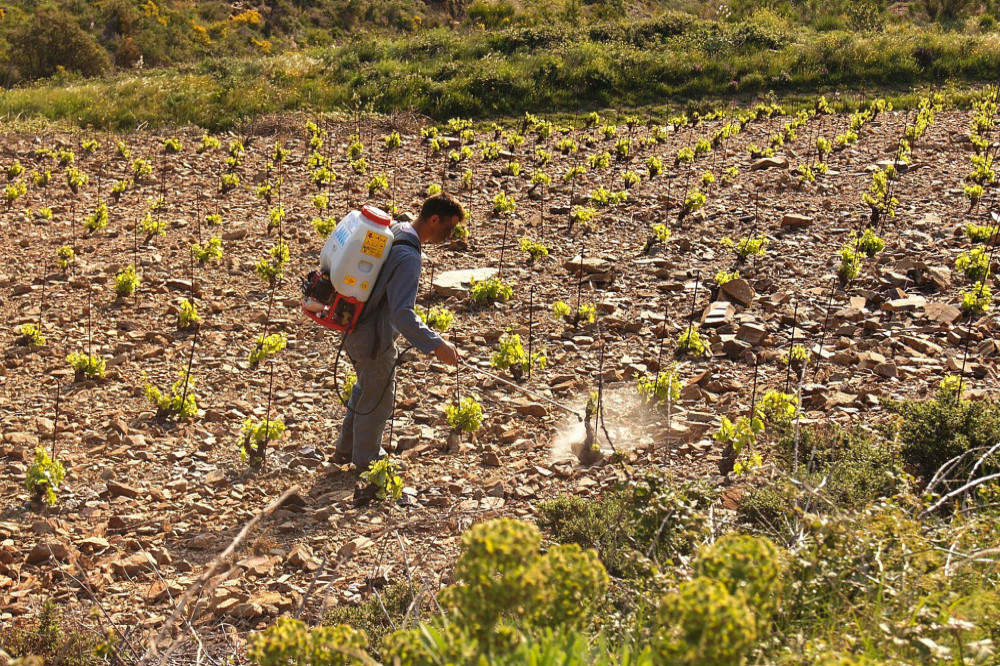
(352, 256)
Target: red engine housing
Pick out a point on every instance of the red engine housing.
(341, 315)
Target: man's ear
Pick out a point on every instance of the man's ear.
(434, 219)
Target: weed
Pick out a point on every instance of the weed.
(384, 474)
(466, 416)
(126, 281)
(180, 402)
(44, 476)
(87, 365)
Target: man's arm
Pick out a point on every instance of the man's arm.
(400, 295)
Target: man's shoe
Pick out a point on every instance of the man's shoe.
(341, 458)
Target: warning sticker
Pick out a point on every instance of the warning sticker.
(350, 280)
(374, 245)
(364, 286)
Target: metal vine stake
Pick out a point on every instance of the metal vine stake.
(89, 320)
(135, 255)
(503, 246)
(659, 355)
(531, 320)
(891, 184)
(55, 421)
(41, 295)
(197, 215)
(826, 322)
(579, 289)
(791, 345)
(262, 446)
(163, 174)
(694, 301)
(187, 373)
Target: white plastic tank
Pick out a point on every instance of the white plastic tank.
(355, 251)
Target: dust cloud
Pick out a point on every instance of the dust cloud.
(629, 421)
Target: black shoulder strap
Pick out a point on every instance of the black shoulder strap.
(407, 241)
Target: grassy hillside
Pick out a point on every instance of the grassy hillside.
(119, 63)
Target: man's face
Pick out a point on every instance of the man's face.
(441, 227)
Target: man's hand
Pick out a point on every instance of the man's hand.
(446, 353)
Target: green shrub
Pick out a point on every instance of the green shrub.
(659, 386)
(266, 347)
(860, 467)
(690, 343)
(703, 624)
(187, 314)
(838, 470)
(376, 617)
(30, 335)
(777, 410)
(510, 355)
(269, 268)
(750, 567)
(254, 438)
(747, 246)
(975, 265)
(769, 508)
(849, 560)
(384, 474)
(47, 638)
(850, 263)
(210, 251)
(503, 577)
(932, 432)
(535, 249)
(492, 14)
(51, 39)
(65, 256)
(467, 416)
(977, 300)
(437, 318)
(431, 645)
(654, 515)
(291, 641)
(491, 289)
(324, 226)
(722, 277)
(981, 233)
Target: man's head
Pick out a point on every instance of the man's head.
(438, 217)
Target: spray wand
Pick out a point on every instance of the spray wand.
(586, 451)
(520, 388)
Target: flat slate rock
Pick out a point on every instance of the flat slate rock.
(718, 313)
(458, 283)
(776, 162)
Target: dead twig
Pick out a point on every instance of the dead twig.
(152, 650)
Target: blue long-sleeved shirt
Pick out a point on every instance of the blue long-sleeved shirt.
(389, 310)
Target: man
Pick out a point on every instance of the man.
(389, 312)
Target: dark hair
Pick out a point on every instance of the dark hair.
(443, 205)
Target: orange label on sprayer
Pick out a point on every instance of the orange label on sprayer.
(374, 245)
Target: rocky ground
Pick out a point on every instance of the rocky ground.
(148, 503)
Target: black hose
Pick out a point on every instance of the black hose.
(336, 365)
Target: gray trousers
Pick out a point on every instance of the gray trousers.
(370, 405)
